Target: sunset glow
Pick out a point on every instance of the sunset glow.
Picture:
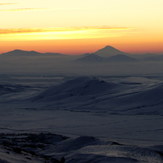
(61, 33)
(81, 26)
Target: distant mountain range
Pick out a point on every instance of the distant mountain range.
(92, 58)
(18, 52)
(111, 54)
(106, 54)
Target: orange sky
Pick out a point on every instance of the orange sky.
(75, 26)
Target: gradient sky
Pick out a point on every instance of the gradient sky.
(79, 26)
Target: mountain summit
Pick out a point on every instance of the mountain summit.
(108, 51)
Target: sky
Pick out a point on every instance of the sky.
(81, 26)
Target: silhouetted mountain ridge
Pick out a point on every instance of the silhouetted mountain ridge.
(92, 58)
(18, 52)
(108, 51)
(106, 54)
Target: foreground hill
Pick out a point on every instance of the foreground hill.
(76, 88)
(52, 148)
(93, 94)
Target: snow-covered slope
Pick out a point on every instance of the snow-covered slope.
(95, 94)
(11, 88)
(37, 148)
(99, 116)
(77, 88)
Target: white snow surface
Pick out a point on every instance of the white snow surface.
(87, 94)
(106, 118)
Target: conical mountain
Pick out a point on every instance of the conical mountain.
(108, 51)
